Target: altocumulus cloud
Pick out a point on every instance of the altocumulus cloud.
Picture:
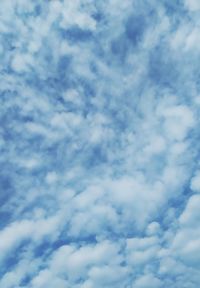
(99, 139)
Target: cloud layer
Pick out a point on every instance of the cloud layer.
(99, 139)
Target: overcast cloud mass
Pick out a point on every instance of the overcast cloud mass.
(99, 144)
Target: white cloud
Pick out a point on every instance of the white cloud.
(21, 63)
(72, 15)
(107, 275)
(72, 263)
(186, 243)
(12, 236)
(153, 228)
(178, 121)
(140, 251)
(195, 182)
(147, 281)
(192, 5)
(191, 214)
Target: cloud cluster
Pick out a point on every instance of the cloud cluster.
(99, 140)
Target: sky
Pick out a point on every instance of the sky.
(99, 144)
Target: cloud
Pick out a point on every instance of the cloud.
(192, 5)
(187, 239)
(99, 144)
(147, 281)
(195, 182)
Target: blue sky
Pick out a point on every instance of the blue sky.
(99, 140)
